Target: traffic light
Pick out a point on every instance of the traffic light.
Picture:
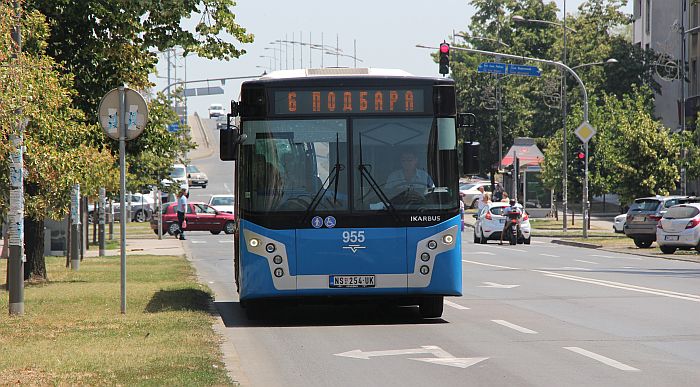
(581, 160)
(470, 158)
(444, 58)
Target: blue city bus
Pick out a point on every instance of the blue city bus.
(346, 188)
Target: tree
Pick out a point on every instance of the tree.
(56, 155)
(109, 43)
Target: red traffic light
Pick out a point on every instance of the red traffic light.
(581, 155)
(444, 48)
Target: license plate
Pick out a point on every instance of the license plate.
(671, 237)
(351, 281)
(639, 218)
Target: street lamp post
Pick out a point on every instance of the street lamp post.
(498, 97)
(554, 63)
(565, 198)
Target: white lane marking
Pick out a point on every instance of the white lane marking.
(549, 255)
(455, 305)
(442, 357)
(226, 189)
(226, 241)
(499, 286)
(510, 249)
(605, 360)
(537, 242)
(488, 264)
(195, 242)
(616, 257)
(565, 268)
(619, 285)
(480, 252)
(514, 326)
(581, 260)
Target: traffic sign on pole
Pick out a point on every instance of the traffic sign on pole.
(530, 71)
(585, 132)
(492, 67)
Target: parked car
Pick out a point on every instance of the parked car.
(469, 192)
(619, 223)
(643, 215)
(199, 217)
(216, 110)
(223, 203)
(679, 228)
(141, 208)
(195, 177)
(490, 220)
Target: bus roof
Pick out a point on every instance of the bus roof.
(335, 71)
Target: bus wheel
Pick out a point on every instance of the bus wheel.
(431, 307)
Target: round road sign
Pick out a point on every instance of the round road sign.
(135, 113)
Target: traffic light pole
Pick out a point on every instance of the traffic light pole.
(586, 206)
(585, 106)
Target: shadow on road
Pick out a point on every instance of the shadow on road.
(294, 315)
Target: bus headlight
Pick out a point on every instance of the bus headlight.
(425, 257)
(254, 242)
(277, 259)
(432, 245)
(424, 270)
(270, 248)
(279, 272)
(448, 239)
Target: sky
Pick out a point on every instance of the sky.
(380, 33)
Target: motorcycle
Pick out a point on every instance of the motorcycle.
(514, 233)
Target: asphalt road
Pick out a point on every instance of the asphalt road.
(541, 315)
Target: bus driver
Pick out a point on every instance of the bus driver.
(408, 178)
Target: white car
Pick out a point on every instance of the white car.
(223, 203)
(619, 223)
(216, 110)
(469, 192)
(679, 228)
(490, 221)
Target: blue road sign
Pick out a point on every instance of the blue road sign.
(530, 71)
(492, 67)
(174, 127)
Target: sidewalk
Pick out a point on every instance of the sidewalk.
(200, 136)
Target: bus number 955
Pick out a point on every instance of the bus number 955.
(353, 236)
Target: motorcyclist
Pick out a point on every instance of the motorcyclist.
(506, 211)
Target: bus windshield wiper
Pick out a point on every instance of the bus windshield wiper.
(366, 174)
(332, 177)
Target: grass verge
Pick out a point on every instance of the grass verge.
(72, 331)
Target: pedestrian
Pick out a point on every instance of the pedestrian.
(181, 211)
(498, 193)
(487, 198)
(505, 197)
(480, 203)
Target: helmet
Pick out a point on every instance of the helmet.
(512, 202)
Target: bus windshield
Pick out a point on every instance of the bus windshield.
(391, 164)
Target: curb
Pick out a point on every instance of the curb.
(577, 244)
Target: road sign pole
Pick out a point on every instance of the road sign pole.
(75, 229)
(101, 221)
(586, 208)
(121, 124)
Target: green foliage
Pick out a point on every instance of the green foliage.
(109, 43)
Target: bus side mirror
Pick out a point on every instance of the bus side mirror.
(229, 143)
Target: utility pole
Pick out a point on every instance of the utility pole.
(683, 98)
(565, 149)
(15, 266)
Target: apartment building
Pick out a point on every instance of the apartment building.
(657, 25)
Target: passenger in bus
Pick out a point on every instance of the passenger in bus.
(408, 178)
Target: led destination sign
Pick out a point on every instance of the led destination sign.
(353, 101)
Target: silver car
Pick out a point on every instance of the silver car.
(679, 228)
(469, 192)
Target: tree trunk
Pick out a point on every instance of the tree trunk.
(35, 267)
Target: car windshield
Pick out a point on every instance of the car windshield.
(681, 212)
(177, 172)
(466, 187)
(497, 210)
(222, 201)
(192, 169)
(645, 205)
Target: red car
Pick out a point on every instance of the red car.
(199, 217)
